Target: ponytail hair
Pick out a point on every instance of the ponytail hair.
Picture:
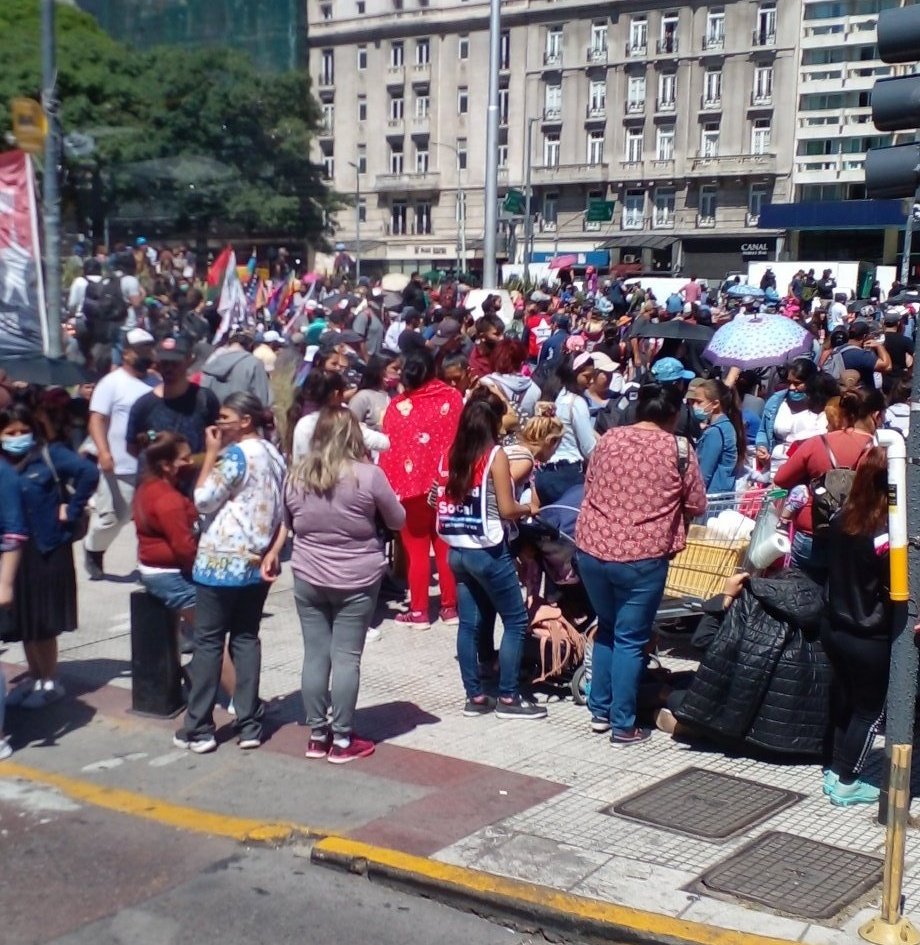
(157, 450)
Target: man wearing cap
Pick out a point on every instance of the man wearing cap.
(866, 353)
(448, 337)
(176, 405)
(899, 348)
(837, 311)
(622, 411)
(317, 324)
(552, 348)
(235, 369)
(267, 351)
(369, 325)
(110, 406)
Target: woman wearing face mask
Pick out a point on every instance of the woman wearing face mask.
(239, 489)
(378, 385)
(791, 414)
(56, 484)
(166, 523)
(862, 413)
(722, 447)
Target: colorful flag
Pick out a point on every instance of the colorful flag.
(232, 305)
(219, 267)
(23, 325)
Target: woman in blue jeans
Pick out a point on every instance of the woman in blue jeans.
(474, 495)
(643, 485)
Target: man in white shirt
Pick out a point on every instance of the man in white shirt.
(837, 311)
(109, 408)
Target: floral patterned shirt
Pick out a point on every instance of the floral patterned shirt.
(242, 500)
(636, 499)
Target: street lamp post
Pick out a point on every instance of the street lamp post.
(461, 204)
(50, 184)
(528, 194)
(357, 219)
(491, 188)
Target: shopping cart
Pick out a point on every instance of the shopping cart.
(717, 546)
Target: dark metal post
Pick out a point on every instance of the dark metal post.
(51, 188)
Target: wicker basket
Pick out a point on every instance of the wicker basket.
(701, 568)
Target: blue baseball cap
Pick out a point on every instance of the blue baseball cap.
(668, 370)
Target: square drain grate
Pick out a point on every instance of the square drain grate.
(704, 804)
(795, 875)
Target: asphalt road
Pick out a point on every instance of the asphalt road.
(73, 874)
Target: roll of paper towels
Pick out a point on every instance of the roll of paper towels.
(774, 545)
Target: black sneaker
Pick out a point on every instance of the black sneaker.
(633, 737)
(481, 705)
(92, 561)
(519, 708)
(599, 725)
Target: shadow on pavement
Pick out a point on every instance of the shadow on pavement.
(391, 719)
(44, 728)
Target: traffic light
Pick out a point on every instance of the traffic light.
(895, 172)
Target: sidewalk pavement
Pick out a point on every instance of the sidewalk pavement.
(528, 802)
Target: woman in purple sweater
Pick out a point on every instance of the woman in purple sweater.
(334, 502)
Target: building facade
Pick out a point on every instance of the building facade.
(273, 32)
(829, 217)
(680, 116)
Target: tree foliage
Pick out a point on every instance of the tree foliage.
(195, 140)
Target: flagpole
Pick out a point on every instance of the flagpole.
(50, 184)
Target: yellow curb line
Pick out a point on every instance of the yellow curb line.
(192, 819)
(527, 900)
(523, 898)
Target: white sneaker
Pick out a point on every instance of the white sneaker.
(6, 749)
(44, 694)
(231, 708)
(17, 695)
(373, 635)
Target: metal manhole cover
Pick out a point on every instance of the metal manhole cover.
(705, 804)
(795, 875)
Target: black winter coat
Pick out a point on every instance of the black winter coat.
(765, 680)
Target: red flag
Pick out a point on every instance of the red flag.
(219, 267)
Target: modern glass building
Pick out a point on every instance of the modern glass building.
(273, 32)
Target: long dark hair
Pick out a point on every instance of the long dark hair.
(658, 403)
(560, 379)
(477, 432)
(418, 368)
(866, 507)
(860, 404)
(729, 405)
(374, 371)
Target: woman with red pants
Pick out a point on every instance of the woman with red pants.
(421, 424)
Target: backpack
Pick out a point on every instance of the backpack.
(835, 365)
(104, 309)
(829, 491)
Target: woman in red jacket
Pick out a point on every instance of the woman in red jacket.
(166, 522)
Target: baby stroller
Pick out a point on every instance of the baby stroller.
(561, 617)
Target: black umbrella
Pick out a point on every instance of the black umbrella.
(674, 328)
(857, 305)
(332, 301)
(47, 372)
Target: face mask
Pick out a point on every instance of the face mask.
(143, 365)
(700, 414)
(796, 396)
(17, 445)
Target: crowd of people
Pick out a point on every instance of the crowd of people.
(382, 433)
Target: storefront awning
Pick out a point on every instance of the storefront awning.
(645, 242)
(832, 214)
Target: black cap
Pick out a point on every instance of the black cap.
(173, 348)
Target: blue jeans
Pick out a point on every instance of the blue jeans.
(487, 584)
(626, 596)
(809, 556)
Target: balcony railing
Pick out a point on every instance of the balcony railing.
(326, 80)
(548, 226)
(422, 68)
(552, 113)
(735, 164)
(713, 43)
(597, 55)
(763, 38)
(665, 105)
(663, 220)
(571, 173)
(710, 103)
(325, 129)
(632, 220)
(596, 112)
(592, 226)
(666, 46)
(761, 99)
(751, 219)
(407, 181)
(395, 124)
(636, 50)
(705, 221)
(635, 106)
(552, 57)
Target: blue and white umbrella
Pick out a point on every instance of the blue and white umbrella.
(754, 341)
(745, 291)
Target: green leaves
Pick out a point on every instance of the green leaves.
(194, 139)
